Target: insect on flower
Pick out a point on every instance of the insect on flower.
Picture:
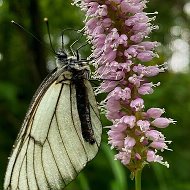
(61, 131)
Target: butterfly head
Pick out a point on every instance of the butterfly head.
(61, 58)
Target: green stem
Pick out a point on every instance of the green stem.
(138, 179)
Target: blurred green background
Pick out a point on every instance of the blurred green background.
(24, 63)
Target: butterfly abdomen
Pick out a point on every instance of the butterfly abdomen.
(84, 111)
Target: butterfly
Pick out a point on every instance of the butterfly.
(61, 131)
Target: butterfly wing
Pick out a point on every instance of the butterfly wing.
(50, 150)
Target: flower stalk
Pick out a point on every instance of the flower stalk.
(119, 32)
(138, 180)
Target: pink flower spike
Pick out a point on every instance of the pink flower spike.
(162, 122)
(119, 32)
(155, 112)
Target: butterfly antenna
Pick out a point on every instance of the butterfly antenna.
(25, 30)
(30, 34)
(62, 42)
(47, 24)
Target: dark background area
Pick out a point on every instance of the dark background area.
(24, 63)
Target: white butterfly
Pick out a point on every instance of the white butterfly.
(61, 131)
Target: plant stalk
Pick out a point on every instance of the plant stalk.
(138, 179)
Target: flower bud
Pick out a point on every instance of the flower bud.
(162, 122)
(155, 112)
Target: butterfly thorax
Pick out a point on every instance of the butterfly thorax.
(72, 70)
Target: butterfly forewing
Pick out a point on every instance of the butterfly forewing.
(51, 149)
